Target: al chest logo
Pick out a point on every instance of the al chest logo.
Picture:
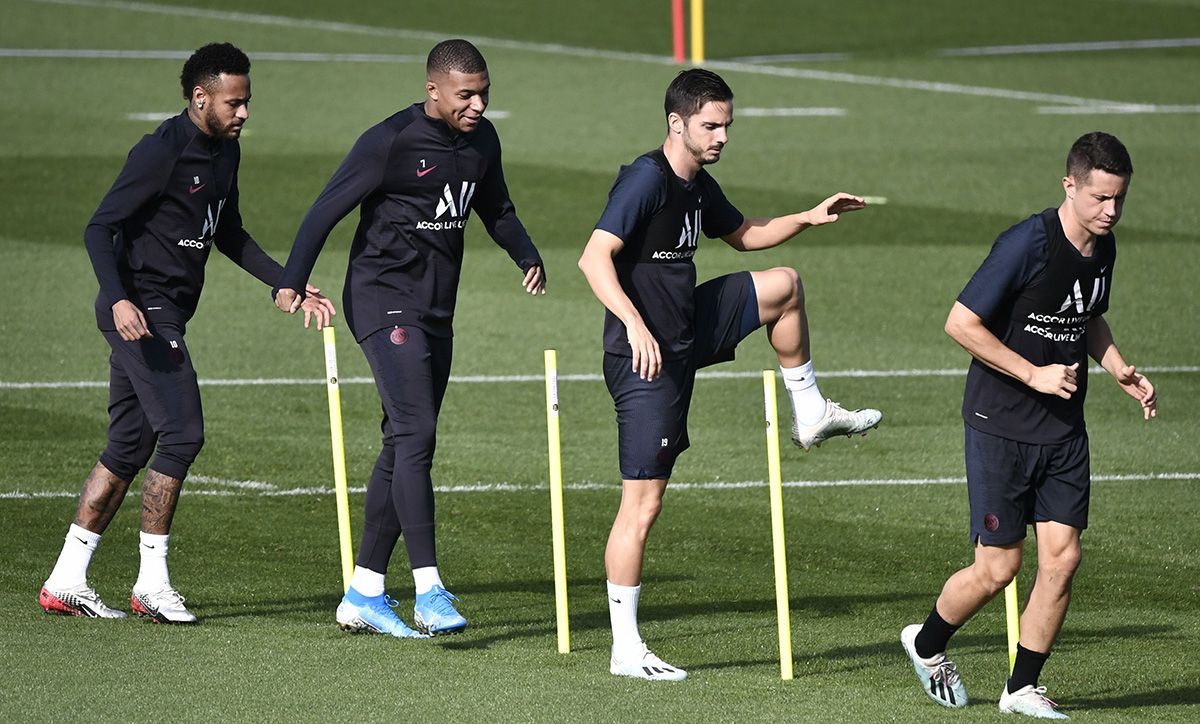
(455, 204)
(208, 230)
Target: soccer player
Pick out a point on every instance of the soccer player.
(149, 241)
(1030, 317)
(416, 177)
(659, 327)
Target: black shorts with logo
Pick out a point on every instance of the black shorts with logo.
(652, 416)
(1013, 484)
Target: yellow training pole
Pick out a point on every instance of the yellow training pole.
(557, 528)
(340, 493)
(697, 12)
(1014, 621)
(775, 481)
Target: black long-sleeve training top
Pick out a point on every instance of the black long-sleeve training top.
(416, 180)
(150, 238)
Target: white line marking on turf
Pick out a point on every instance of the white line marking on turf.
(1082, 47)
(151, 116)
(105, 54)
(252, 487)
(876, 200)
(566, 50)
(790, 112)
(791, 58)
(582, 377)
(1117, 109)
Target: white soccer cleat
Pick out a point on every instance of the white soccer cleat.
(643, 664)
(938, 675)
(163, 606)
(837, 421)
(1030, 701)
(78, 600)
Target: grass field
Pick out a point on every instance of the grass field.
(961, 145)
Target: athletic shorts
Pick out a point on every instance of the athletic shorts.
(153, 400)
(652, 416)
(1013, 484)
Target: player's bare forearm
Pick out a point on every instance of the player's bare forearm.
(966, 328)
(1101, 346)
(764, 233)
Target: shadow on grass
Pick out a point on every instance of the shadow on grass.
(1179, 696)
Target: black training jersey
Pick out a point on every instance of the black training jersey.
(416, 181)
(659, 218)
(1036, 293)
(150, 238)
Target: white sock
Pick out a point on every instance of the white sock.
(424, 579)
(153, 576)
(808, 405)
(72, 565)
(622, 613)
(367, 582)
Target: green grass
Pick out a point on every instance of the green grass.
(262, 571)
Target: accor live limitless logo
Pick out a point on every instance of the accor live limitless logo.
(689, 239)
(1069, 323)
(208, 231)
(457, 206)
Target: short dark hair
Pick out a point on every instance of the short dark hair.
(1098, 150)
(692, 88)
(455, 54)
(209, 62)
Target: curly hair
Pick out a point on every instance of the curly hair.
(209, 62)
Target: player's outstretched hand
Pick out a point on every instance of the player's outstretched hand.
(129, 321)
(316, 306)
(647, 359)
(833, 207)
(1140, 389)
(1055, 379)
(535, 281)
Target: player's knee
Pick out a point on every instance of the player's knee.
(1062, 564)
(998, 573)
(790, 286)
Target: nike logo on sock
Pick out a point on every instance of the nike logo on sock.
(615, 600)
(81, 540)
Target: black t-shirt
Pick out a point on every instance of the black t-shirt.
(416, 181)
(1036, 293)
(150, 238)
(659, 217)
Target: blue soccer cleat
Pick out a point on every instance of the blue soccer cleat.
(372, 614)
(434, 613)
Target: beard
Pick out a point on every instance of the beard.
(218, 129)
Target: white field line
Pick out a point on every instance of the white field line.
(1119, 109)
(1082, 47)
(792, 58)
(790, 112)
(242, 488)
(103, 54)
(583, 377)
(567, 50)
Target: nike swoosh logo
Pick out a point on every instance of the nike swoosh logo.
(81, 540)
(422, 173)
(615, 600)
(194, 189)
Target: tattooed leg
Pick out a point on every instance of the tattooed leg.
(160, 495)
(100, 498)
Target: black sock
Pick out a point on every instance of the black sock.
(934, 635)
(1026, 669)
